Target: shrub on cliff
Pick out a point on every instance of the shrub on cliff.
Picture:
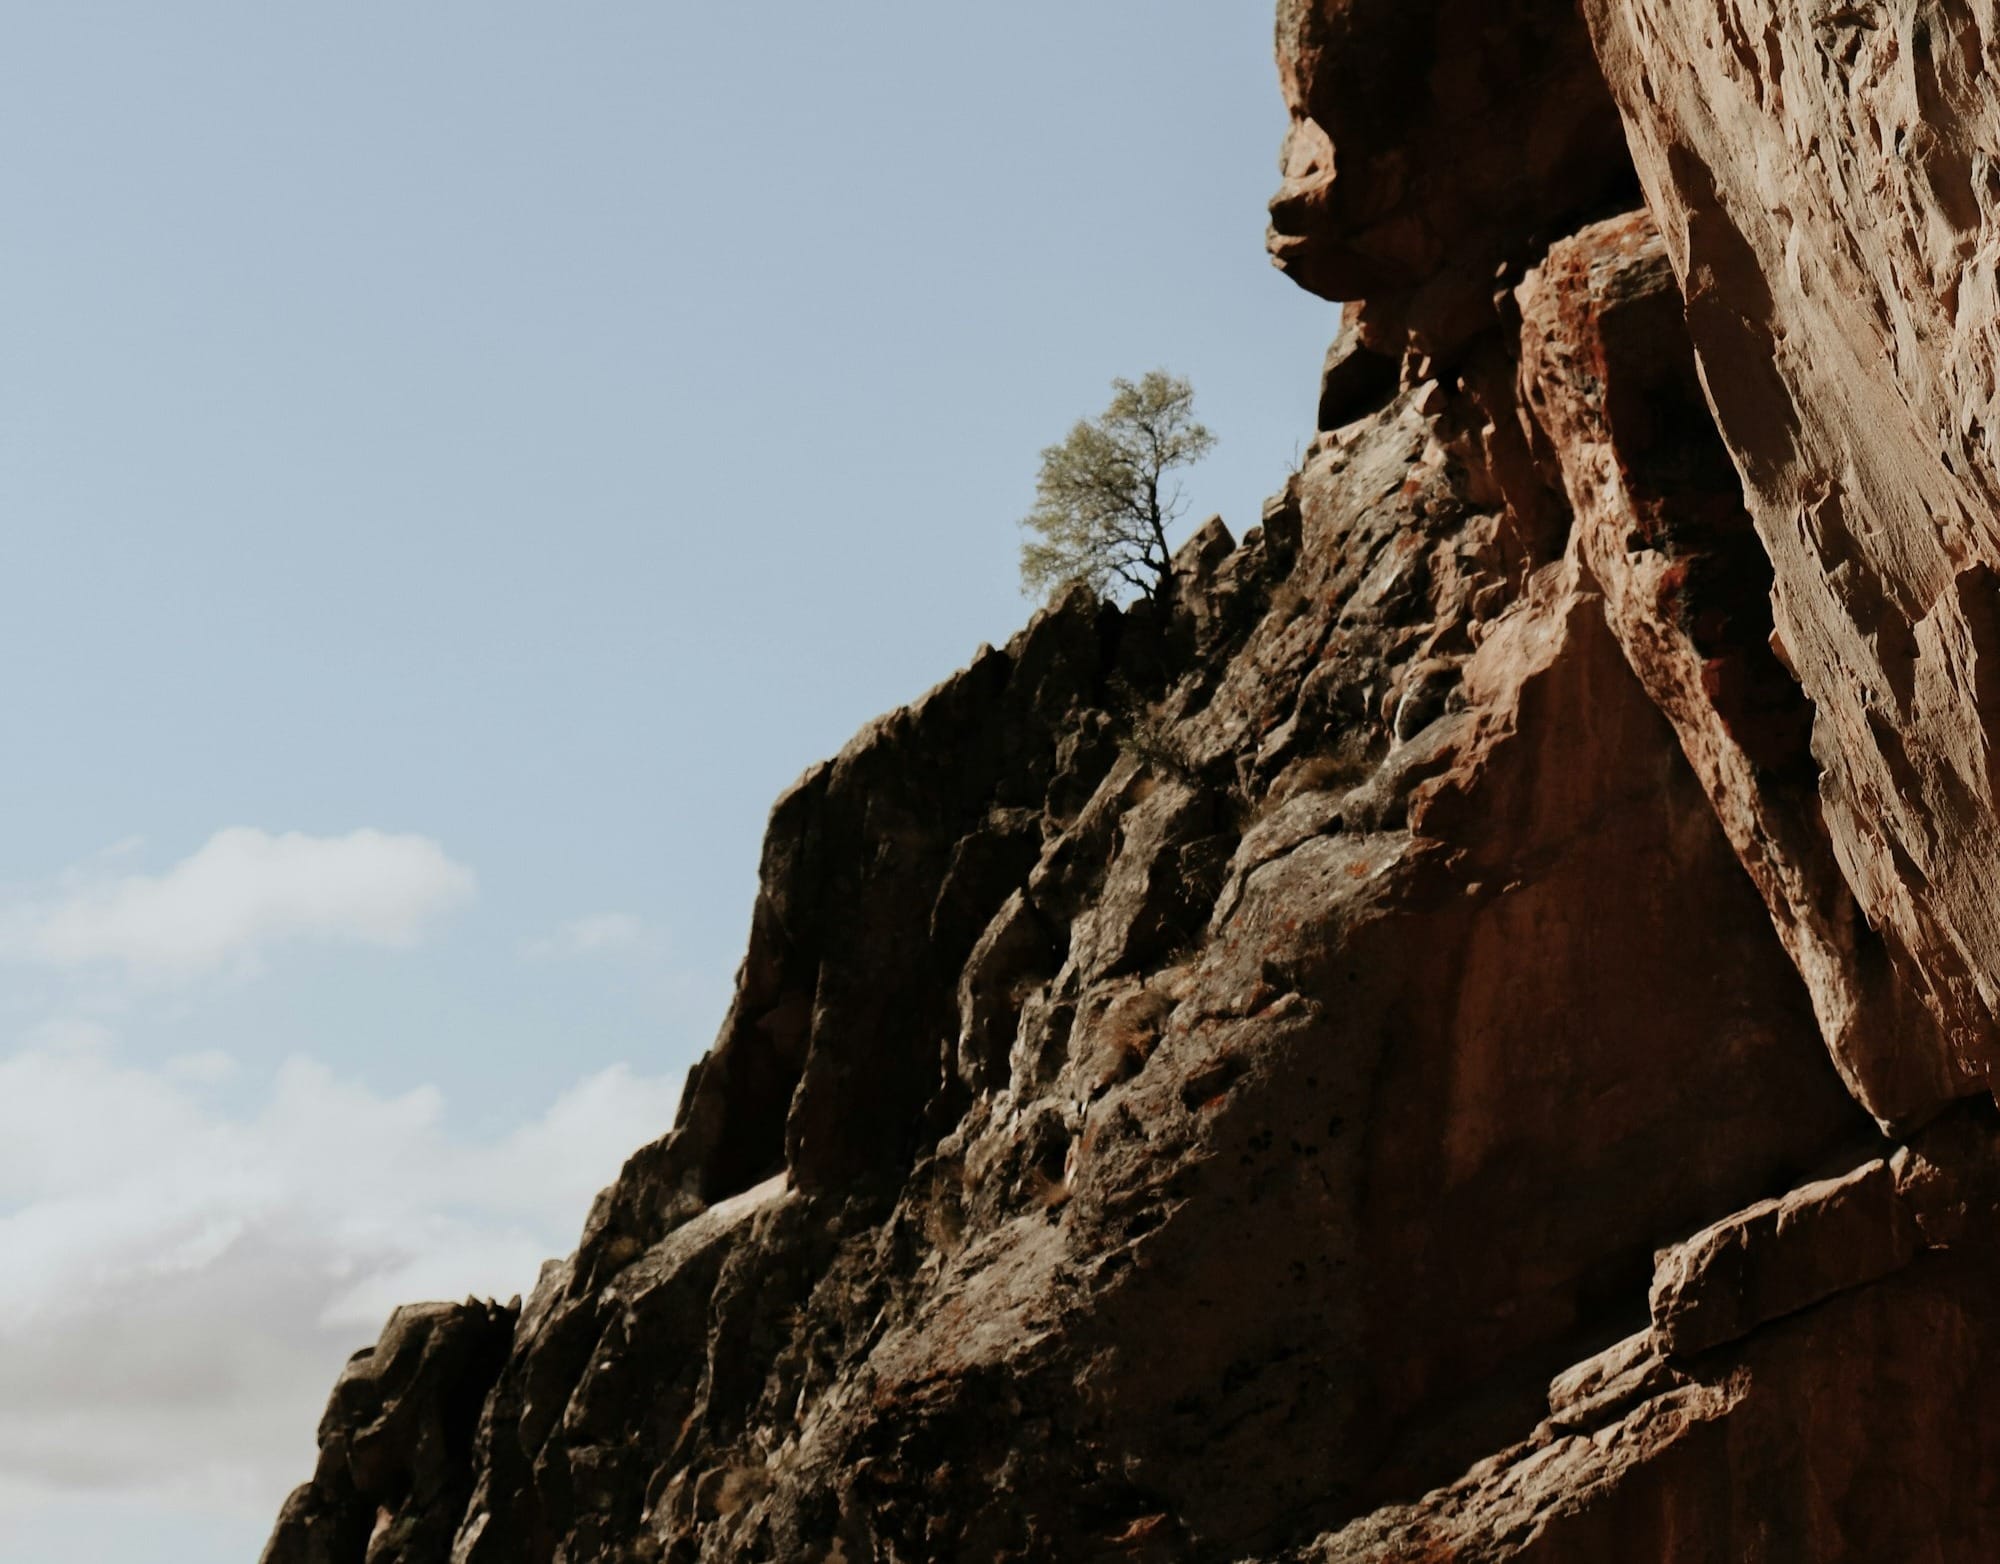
(1102, 501)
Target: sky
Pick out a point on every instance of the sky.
(461, 461)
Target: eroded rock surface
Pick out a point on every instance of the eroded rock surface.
(1610, 377)
(1822, 178)
(1459, 1033)
(395, 1446)
(1835, 1408)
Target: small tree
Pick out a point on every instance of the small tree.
(1101, 514)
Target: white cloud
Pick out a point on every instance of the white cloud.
(597, 934)
(203, 1067)
(180, 1284)
(240, 892)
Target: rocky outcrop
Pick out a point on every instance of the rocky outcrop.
(1779, 1256)
(1820, 175)
(395, 1446)
(1815, 1385)
(1660, 524)
(1431, 141)
(1300, 1107)
(1239, 1173)
(1459, 1032)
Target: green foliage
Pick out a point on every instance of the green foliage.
(1101, 512)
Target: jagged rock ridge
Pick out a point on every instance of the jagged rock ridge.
(1461, 1033)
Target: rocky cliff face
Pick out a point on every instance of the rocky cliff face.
(1465, 1033)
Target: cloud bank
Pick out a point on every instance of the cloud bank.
(181, 1280)
(241, 892)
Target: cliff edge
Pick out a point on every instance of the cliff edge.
(1463, 1033)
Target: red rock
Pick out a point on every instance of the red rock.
(1815, 173)
(1660, 524)
(1780, 1256)
(1235, 1078)
(1598, 1390)
(1431, 141)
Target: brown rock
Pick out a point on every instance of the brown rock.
(1300, 1137)
(1779, 1256)
(1595, 1391)
(1012, 958)
(1611, 380)
(1209, 1080)
(1949, 1178)
(1802, 1444)
(1816, 173)
(395, 1445)
(1432, 141)
(1356, 380)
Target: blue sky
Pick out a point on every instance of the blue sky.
(462, 461)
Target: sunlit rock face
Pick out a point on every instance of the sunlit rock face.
(1461, 1031)
(1824, 184)
(1432, 141)
(1660, 524)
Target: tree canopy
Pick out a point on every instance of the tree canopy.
(1103, 502)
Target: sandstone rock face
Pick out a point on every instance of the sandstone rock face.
(1821, 176)
(1432, 139)
(1303, 1104)
(1778, 1257)
(1836, 1408)
(1724, 1466)
(1460, 1033)
(1660, 524)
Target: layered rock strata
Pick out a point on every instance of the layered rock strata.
(1461, 1032)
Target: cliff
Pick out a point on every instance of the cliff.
(1462, 1034)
